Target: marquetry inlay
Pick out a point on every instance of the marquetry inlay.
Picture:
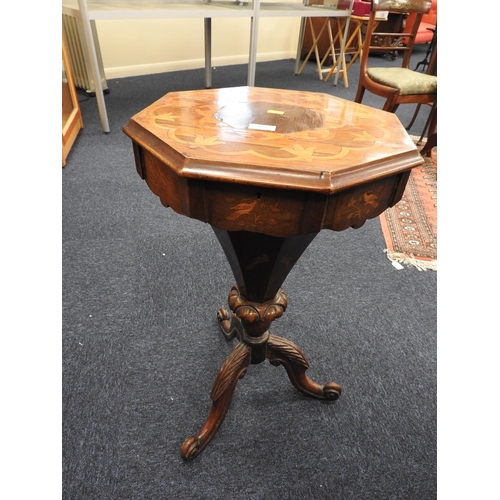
(311, 135)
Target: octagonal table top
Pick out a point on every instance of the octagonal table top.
(275, 138)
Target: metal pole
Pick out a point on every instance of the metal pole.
(93, 64)
(208, 52)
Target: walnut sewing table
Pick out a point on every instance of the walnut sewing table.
(268, 169)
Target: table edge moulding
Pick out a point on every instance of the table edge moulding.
(268, 169)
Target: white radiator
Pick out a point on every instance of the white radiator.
(78, 58)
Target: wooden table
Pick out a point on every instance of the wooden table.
(268, 169)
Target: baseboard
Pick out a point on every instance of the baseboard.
(166, 67)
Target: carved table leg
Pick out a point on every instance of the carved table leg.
(231, 371)
(283, 352)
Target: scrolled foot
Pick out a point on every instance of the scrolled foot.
(190, 448)
(332, 391)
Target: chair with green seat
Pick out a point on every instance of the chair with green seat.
(399, 85)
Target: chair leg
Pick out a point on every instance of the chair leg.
(359, 94)
(430, 123)
(417, 109)
(390, 106)
(432, 135)
(433, 123)
(431, 143)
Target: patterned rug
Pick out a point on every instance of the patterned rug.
(410, 226)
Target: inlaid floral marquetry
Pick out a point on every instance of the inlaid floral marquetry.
(306, 139)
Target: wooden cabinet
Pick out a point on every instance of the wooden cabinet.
(71, 114)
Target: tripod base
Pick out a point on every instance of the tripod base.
(246, 323)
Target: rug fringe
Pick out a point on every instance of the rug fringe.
(421, 265)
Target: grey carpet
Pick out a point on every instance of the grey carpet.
(141, 346)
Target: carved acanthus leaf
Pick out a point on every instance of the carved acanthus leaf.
(288, 349)
(231, 370)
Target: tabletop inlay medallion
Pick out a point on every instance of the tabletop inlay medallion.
(281, 118)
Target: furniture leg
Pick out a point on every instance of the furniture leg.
(208, 51)
(342, 53)
(429, 128)
(281, 351)
(431, 142)
(412, 121)
(314, 47)
(339, 66)
(432, 135)
(329, 50)
(230, 372)
(316, 50)
(302, 30)
(94, 66)
(252, 58)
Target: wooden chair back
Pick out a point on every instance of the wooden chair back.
(387, 42)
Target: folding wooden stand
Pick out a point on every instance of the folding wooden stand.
(71, 115)
(331, 48)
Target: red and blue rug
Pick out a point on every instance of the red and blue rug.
(410, 226)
